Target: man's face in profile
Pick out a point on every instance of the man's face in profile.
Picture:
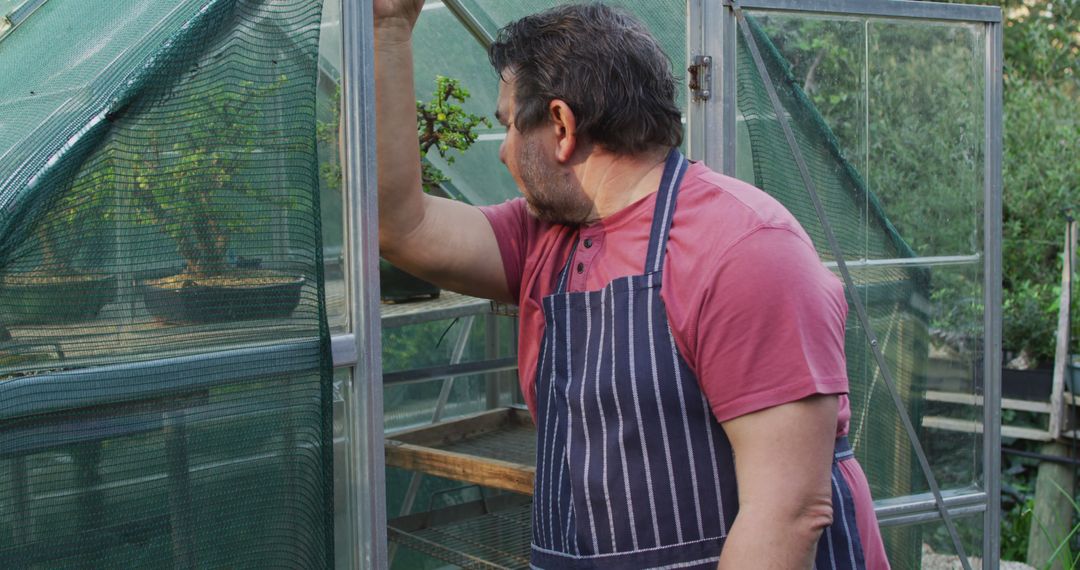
(549, 188)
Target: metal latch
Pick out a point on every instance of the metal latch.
(700, 77)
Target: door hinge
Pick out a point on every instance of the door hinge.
(700, 77)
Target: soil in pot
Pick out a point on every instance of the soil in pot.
(242, 295)
(48, 298)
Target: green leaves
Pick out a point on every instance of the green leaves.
(442, 124)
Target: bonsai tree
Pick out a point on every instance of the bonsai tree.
(190, 183)
(442, 126)
(56, 276)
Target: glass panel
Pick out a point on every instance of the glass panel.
(925, 159)
(928, 545)
(432, 344)
(935, 369)
(331, 191)
(344, 511)
(817, 66)
(444, 47)
(666, 19)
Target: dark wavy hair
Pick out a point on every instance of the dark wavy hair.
(607, 67)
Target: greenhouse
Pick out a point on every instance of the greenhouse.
(200, 366)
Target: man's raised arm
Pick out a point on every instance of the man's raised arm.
(448, 243)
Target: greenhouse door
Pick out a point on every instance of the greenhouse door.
(170, 320)
(878, 124)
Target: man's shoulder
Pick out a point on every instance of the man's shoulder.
(723, 210)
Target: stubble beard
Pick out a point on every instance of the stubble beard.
(549, 191)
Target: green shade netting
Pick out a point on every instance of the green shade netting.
(165, 382)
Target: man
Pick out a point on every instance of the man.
(678, 331)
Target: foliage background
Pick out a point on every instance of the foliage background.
(1042, 165)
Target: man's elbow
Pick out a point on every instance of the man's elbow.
(398, 224)
(813, 517)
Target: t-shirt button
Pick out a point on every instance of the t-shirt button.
(581, 267)
(588, 243)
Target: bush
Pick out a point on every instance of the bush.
(1041, 176)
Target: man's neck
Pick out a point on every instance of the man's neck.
(614, 182)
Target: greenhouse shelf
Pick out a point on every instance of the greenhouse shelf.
(496, 449)
(489, 534)
(447, 305)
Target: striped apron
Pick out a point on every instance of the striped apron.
(632, 469)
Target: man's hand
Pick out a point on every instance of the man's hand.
(397, 13)
(783, 465)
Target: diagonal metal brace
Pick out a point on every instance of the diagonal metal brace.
(849, 283)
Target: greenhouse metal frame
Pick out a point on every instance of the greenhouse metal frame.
(712, 31)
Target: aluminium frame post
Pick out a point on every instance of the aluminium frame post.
(728, 77)
(470, 22)
(711, 123)
(992, 212)
(367, 472)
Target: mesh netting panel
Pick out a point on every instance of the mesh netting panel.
(165, 385)
(895, 297)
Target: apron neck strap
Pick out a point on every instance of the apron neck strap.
(674, 169)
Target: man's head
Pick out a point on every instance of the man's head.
(604, 64)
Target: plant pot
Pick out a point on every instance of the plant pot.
(398, 286)
(53, 299)
(235, 297)
(1032, 385)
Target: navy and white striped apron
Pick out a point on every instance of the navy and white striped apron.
(633, 470)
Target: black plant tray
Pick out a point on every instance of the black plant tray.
(208, 303)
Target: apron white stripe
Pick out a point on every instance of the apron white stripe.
(549, 434)
(622, 437)
(641, 432)
(663, 416)
(832, 549)
(585, 429)
(686, 432)
(569, 425)
(661, 242)
(603, 420)
(715, 468)
(843, 517)
(538, 484)
(691, 564)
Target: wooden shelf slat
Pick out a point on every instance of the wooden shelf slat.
(968, 426)
(506, 437)
(976, 400)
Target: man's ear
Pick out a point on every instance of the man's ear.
(565, 125)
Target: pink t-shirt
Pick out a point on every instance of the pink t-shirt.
(754, 312)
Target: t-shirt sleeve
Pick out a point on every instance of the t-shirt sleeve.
(509, 220)
(771, 325)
